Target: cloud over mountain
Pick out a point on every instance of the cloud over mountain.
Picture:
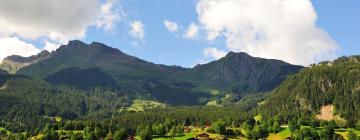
(52, 21)
(213, 53)
(55, 19)
(281, 29)
(14, 46)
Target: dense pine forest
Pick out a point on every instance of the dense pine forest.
(328, 83)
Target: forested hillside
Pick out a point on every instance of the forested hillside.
(25, 101)
(95, 90)
(334, 83)
(87, 66)
(94, 109)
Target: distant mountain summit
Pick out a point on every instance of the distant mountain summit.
(13, 63)
(96, 55)
(87, 66)
(242, 73)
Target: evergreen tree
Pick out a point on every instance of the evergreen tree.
(276, 127)
(98, 132)
(120, 134)
(293, 125)
(327, 132)
(219, 127)
(146, 133)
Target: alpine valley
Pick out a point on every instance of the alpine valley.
(93, 91)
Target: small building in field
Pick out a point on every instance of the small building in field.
(203, 136)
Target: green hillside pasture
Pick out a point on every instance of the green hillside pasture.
(139, 105)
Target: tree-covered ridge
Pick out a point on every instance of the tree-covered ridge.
(25, 101)
(86, 66)
(327, 83)
(33, 105)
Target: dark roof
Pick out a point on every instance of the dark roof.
(203, 135)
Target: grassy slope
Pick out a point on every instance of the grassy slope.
(281, 135)
(186, 136)
(345, 133)
(2, 128)
(142, 105)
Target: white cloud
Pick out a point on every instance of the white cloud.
(57, 20)
(137, 30)
(14, 46)
(192, 31)
(171, 26)
(199, 62)
(280, 29)
(110, 15)
(50, 46)
(213, 53)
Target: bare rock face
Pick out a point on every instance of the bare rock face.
(13, 63)
(327, 113)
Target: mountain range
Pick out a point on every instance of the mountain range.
(86, 66)
(92, 81)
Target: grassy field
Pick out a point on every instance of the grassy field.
(281, 135)
(345, 133)
(2, 129)
(258, 118)
(37, 137)
(212, 103)
(285, 133)
(186, 136)
(142, 105)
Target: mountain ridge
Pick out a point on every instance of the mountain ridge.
(236, 66)
(13, 63)
(87, 66)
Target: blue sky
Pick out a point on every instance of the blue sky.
(159, 45)
(336, 31)
(341, 19)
